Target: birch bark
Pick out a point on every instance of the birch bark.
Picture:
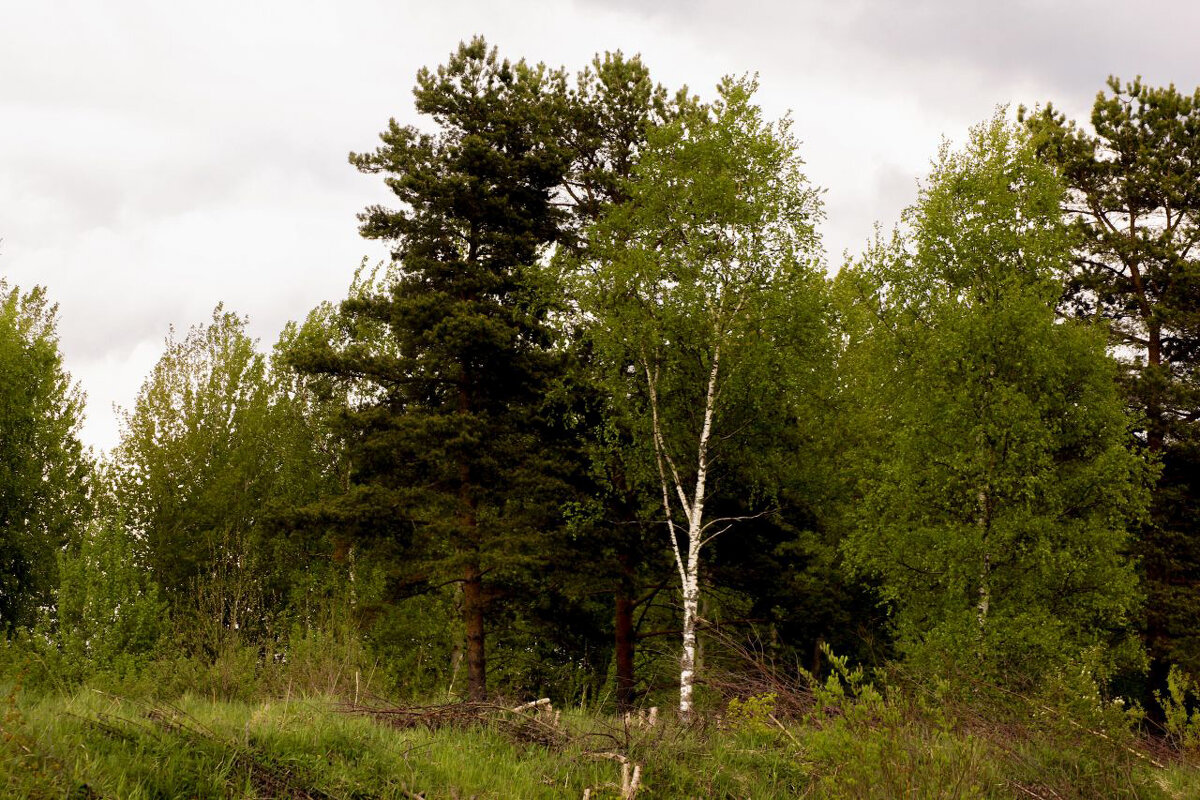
(693, 512)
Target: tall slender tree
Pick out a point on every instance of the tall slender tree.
(450, 449)
(614, 108)
(45, 475)
(706, 299)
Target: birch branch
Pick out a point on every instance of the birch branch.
(662, 474)
(660, 444)
(742, 518)
(702, 453)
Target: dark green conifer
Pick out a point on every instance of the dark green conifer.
(453, 457)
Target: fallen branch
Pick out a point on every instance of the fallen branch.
(545, 701)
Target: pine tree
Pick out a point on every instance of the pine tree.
(1134, 198)
(454, 462)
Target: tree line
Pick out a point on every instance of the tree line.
(604, 406)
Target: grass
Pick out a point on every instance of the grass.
(96, 745)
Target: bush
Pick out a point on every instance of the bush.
(1181, 716)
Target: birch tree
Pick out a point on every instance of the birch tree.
(706, 299)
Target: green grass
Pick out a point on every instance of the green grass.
(93, 745)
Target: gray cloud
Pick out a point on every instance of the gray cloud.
(156, 158)
(932, 49)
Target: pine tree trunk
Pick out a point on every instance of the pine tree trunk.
(472, 576)
(473, 617)
(1156, 423)
(1154, 549)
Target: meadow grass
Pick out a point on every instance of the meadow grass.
(92, 744)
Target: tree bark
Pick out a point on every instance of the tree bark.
(985, 568)
(691, 576)
(624, 643)
(473, 617)
(687, 659)
(624, 630)
(473, 599)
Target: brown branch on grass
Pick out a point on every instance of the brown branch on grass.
(540, 728)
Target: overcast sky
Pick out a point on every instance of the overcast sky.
(157, 158)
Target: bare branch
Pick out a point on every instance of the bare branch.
(741, 518)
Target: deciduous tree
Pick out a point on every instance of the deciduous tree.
(1001, 484)
(215, 448)
(614, 108)
(705, 295)
(45, 475)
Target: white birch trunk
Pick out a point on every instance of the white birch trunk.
(693, 512)
(687, 659)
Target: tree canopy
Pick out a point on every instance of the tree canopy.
(45, 475)
(705, 298)
(1000, 489)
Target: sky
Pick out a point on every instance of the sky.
(159, 158)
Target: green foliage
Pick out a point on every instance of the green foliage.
(456, 467)
(752, 714)
(847, 692)
(998, 485)
(901, 760)
(110, 618)
(214, 450)
(913, 738)
(186, 472)
(715, 250)
(1181, 716)
(613, 109)
(44, 473)
(1134, 198)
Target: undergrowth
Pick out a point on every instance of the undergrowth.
(852, 742)
(314, 727)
